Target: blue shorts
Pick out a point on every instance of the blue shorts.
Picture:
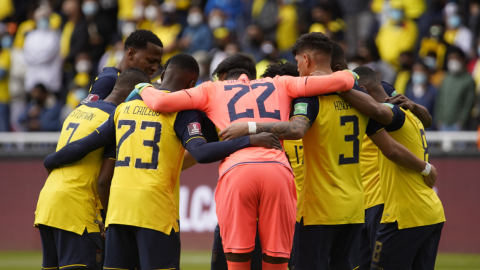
(68, 250)
(373, 216)
(326, 246)
(128, 247)
(412, 248)
(219, 262)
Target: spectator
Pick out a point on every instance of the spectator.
(436, 73)
(287, 31)
(252, 41)
(413, 8)
(397, 28)
(42, 55)
(420, 90)
(197, 35)
(203, 64)
(405, 73)
(83, 69)
(456, 96)
(40, 116)
(359, 20)
(434, 43)
(4, 94)
(231, 9)
(167, 28)
(473, 66)
(457, 34)
(325, 23)
(263, 12)
(369, 53)
(271, 55)
(75, 31)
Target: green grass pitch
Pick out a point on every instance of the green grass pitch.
(200, 260)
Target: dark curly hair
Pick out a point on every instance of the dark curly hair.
(183, 62)
(281, 69)
(237, 61)
(131, 77)
(314, 41)
(235, 73)
(139, 40)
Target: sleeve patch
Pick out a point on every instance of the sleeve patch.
(194, 129)
(389, 105)
(90, 98)
(300, 108)
(394, 93)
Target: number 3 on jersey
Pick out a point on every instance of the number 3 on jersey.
(148, 143)
(351, 138)
(244, 89)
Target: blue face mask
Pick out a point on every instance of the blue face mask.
(89, 8)
(430, 62)
(419, 78)
(396, 14)
(454, 21)
(7, 41)
(43, 23)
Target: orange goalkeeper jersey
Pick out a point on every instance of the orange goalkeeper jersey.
(234, 101)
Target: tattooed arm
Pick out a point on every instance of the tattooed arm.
(292, 130)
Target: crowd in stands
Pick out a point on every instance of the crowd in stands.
(52, 50)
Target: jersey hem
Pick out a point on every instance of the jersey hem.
(251, 163)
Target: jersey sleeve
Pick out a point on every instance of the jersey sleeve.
(316, 85)
(110, 151)
(209, 129)
(107, 129)
(190, 99)
(189, 130)
(397, 122)
(307, 107)
(103, 87)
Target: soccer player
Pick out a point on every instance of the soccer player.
(245, 190)
(330, 208)
(239, 60)
(143, 49)
(413, 217)
(142, 215)
(66, 213)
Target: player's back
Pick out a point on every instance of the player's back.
(149, 160)
(235, 101)
(369, 156)
(71, 190)
(408, 200)
(332, 192)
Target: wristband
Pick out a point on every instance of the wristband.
(427, 169)
(252, 128)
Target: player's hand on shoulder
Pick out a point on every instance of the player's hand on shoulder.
(401, 101)
(431, 178)
(234, 131)
(138, 90)
(267, 140)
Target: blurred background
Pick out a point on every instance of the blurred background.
(52, 50)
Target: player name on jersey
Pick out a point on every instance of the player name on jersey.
(79, 114)
(342, 105)
(141, 110)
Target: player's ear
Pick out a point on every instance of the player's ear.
(337, 67)
(363, 87)
(129, 53)
(306, 59)
(192, 83)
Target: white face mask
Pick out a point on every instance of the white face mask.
(83, 66)
(138, 12)
(151, 13)
(215, 22)
(454, 66)
(128, 28)
(90, 8)
(194, 19)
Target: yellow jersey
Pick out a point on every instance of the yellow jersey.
(68, 200)
(370, 173)
(332, 191)
(294, 152)
(408, 200)
(148, 164)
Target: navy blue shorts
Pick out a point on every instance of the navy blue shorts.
(326, 246)
(412, 248)
(130, 246)
(68, 250)
(373, 216)
(219, 262)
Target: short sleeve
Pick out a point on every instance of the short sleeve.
(307, 107)
(373, 127)
(199, 95)
(110, 151)
(103, 86)
(107, 129)
(398, 118)
(208, 129)
(293, 86)
(188, 126)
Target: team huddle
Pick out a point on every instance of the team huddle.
(320, 168)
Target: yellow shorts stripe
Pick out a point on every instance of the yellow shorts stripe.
(72, 265)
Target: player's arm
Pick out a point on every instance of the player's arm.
(366, 105)
(102, 87)
(188, 161)
(417, 109)
(188, 129)
(106, 174)
(317, 85)
(78, 149)
(304, 113)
